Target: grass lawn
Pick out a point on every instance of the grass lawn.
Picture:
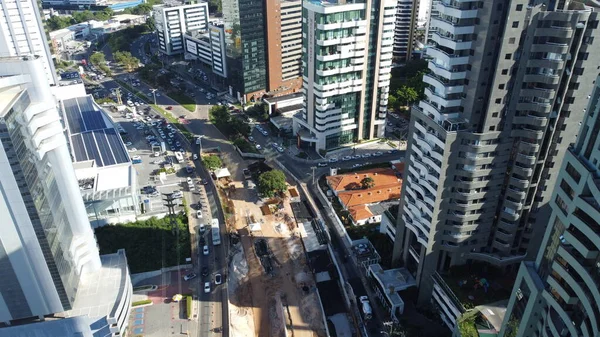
(184, 100)
(147, 243)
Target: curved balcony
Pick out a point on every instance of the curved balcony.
(522, 171)
(445, 73)
(528, 146)
(533, 106)
(527, 133)
(562, 32)
(456, 12)
(562, 315)
(520, 183)
(549, 47)
(546, 63)
(538, 92)
(434, 113)
(442, 88)
(541, 78)
(450, 60)
(455, 29)
(434, 97)
(448, 42)
(525, 159)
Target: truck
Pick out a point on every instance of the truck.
(216, 232)
(179, 157)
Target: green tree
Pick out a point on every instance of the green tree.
(367, 182)
(98, 59)
(151, 24)
(212, 162)
(142, 9)
(271, 182)
(219, 115)
(127, 60)
(59, 22)
(240, 127)
(392, 101)
(407, 95)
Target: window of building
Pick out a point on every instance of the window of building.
(507, 56)
(498, 100)
(562, 205)
(511, 40)
(504, 71)
(515, 24)
(492, 128)
(567, 189)
(494, 114)
(501, 86)
(519, 8)
(573, 173)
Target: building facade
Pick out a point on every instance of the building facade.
(245, 42)
(406, 20)
(347, 56)
(208, 47)
(22, 34)
(284, 46)
(558, 294)
(172, 22)
(498, 114)
(45, 237)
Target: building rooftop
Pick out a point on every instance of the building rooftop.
(99, 292)
(7, 96)
(351, 181)
(91, 133)
(290, 108)
(278, 99)
(370, 196)
(360, 212)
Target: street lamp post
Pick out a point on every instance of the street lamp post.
(154, 94)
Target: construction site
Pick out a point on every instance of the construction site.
(272, 291)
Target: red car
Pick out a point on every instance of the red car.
(169, 108)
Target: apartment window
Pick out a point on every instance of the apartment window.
(572, 172)
(492, 128)
(504, 71)
(498, 100)
(583, 56)
(501, 86)
(519, 8)
(570, 100)
(567, 189)
(561, 204)
(593, 24)
(578, 71)
(507, 56)
(494, 114)
(573, 86)
(515, 24)
(511, 40)
(588, 40)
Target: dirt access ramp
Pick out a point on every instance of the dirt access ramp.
(284, 300)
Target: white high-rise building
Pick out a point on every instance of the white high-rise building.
(406, 12)
(347, 57)
(172, 22)
(22, 34)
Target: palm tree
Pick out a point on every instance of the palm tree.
(367, 182)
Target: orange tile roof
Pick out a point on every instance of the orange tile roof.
(371, 195)
(293, 192)
(361, 212)
(351, 181)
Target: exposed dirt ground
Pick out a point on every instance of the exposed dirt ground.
(283, 302)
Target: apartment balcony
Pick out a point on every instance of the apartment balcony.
(506, 237)
(329, 57)
(342, 25)
(450, 42)
(340, 70)
(525, 159)
(533, 106)
(555, 64)
(450, 60)
(455, 11)
(441, 87)
(538, 92)
(505, 247)
(528, 146)
(531, 120)
(332, 41)
(561, 32)
(517, 206)
(567, 296)
(454, 29)
(581, 243)
(353, 85)
(527, 133)
(541, 78)
(450, 74)
(440, 100)
(522, 171)
(506, 226)
(519, 183)
(549, 47)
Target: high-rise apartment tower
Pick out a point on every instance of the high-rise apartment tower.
(347, 57)
(558, 294)
(284, 46)
(172, 22)
(406, 21)
(507, 88)
(22, 34)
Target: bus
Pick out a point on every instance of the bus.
(216, 232)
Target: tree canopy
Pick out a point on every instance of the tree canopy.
(367, 182)
(271, 182)
(127, 60)
(219, 115)
(98, 58)
(59, 22)
(212, 162)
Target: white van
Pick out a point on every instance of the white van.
(366, 307)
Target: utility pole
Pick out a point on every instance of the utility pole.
(169, 203)
(154, 94)
(313, 168)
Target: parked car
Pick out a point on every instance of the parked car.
(218, 279)
(366, 307)
(322, 164)
(207, 287)
(169, 108)
(198, 214)
(205, 250)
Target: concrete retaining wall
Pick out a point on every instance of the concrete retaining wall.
(249, 155)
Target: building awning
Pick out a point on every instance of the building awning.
(222, 173)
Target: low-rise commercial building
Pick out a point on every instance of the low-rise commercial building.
(107, 179)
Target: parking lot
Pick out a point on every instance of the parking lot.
(145, 134)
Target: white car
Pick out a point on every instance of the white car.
(258, 147)
(207, 287)
(157, 154)
(205, 250)
(133, 149)
(128, 143)
(333, 160)
(198, 214)
(218, 279)
(136, 158)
